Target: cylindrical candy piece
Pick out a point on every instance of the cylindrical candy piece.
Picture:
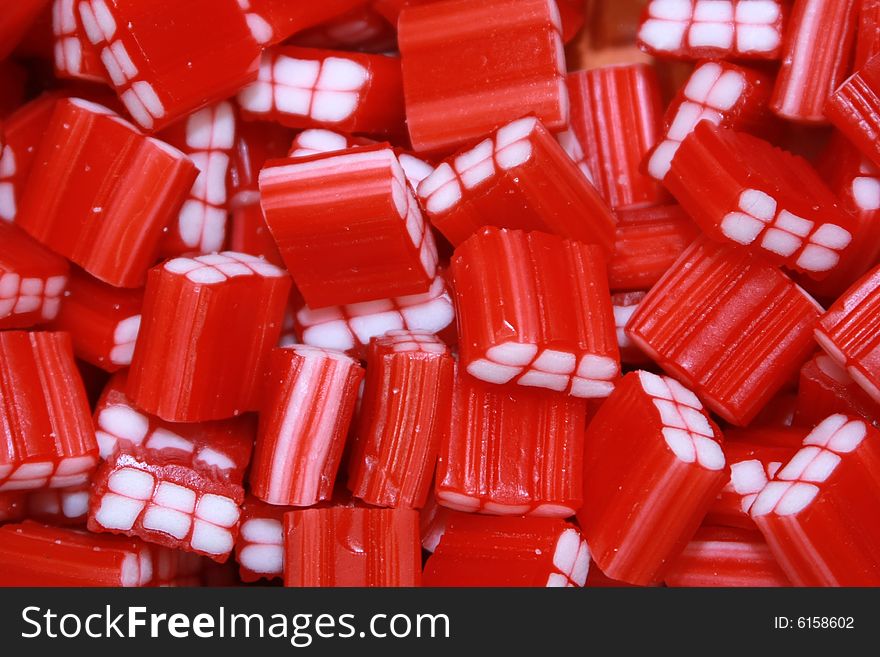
(519, 177)
(534, 309)
(208, 324)
(306, 410)
(348, 226)
(512, 451)
(854, 109)
(100, 193)
(729, 325)
(404, 415)
(259, 549)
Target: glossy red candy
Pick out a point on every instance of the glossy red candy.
(163, 498)
(404, 415)
(476, 551)
(724, 556)
(647, 241)
(512, 451)
(360, 29)
(310, 87)
(636, 525)
(812, 512)
(350, 327)
(534, 309)
(726, 29)
(519, 178)
(158, 81)
(461, 83)
(111, 230)
(817, 53)
(728, 325)
(722, 93)
(847, 332)
(358, 236)
(47, 436)
(347, 546)
(13, 506)
(307, 405)
(102, 320)
(207, 137)
(208, 324)
(32, 280)
(615, 121)
(33, 554)
(867, 32)
(740, 189)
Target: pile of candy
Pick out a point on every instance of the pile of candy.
(410, 292)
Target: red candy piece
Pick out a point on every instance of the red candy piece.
(818, 49)
(350, 328)
(47, 439)
(518, 178)
(509, 552)
(110, 229)
(15, 21)
(462, 83)
(157, 80)
(259, 549)
(208, 324)
(403, 417)
(32, 554)
(813, 512)
(754, 456)
(729, 325)
(74, 56)
(32, 280)
(722, 93)
(637, 524)
(315, 141)
(848, 332)
(272, 21)
(342, 546)
(361, 29)
(23, 131)
(102, 321)
(348, 226)
(826, 388)
(161, 497)
(647, 242)
(624, 305)
(615, 121)
(741, 189)
(512, 451)
(307, 407)
(207, 137)
(59, 506)
(854, 109)
(726, 29)
(534, 309)
(345, 91)
(723, 556)
(224, 445)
